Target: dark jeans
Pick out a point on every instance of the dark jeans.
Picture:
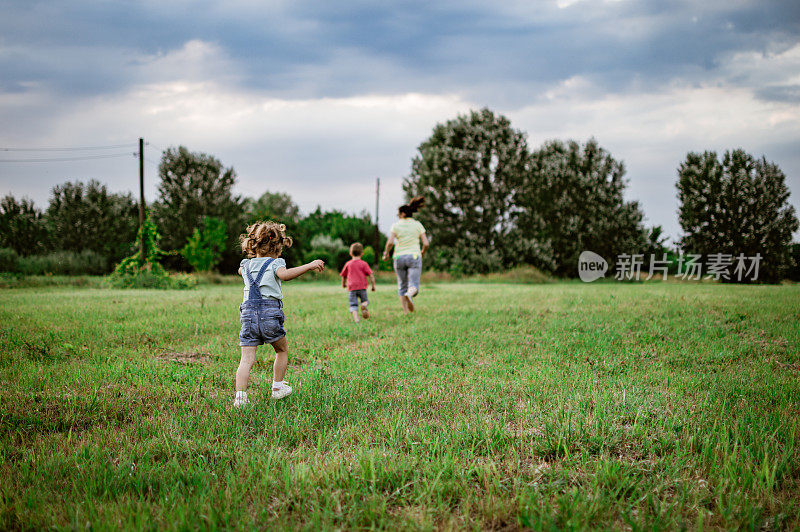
(354, 296)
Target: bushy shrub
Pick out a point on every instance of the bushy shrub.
(369, 255)
(331, 250)
(518, 274)
(216, 278)
(9, 260)
(461, 260)
(142, 270)
(17, 280)
(152, 279)
(86, 262)
(204, 248)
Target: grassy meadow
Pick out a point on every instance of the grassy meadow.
(494, 406)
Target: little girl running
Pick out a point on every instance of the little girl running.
(262, 308)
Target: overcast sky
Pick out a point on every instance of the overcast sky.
(317, 99)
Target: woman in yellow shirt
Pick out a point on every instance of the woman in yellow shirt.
(408, 233)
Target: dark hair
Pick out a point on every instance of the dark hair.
(357, 249)
(412, 206)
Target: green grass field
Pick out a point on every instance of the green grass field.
(495, 406)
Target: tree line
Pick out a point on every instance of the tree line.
(492, 203)
(87, 229)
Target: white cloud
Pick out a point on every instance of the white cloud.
(653, 132)
(325, 151)
(329, 150)
(781, 67)
(196, 60)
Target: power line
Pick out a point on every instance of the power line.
(156, 146)
(150, 161)
(73, 148)
(63, 159)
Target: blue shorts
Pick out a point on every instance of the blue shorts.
(262, 322)
(354, 296)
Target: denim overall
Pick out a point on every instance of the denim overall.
(262, 318)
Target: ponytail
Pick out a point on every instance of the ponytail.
(416, 203)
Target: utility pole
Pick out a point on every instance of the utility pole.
(377, 231)
(141, 199)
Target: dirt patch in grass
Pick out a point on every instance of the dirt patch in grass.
(72, 411)
(793, 367)
(185, 358)
(765, 342)
(40, 351)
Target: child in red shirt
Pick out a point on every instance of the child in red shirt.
(355, 275)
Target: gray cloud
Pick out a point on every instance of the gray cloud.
(780, 93)
(88, 72)
(88, 48)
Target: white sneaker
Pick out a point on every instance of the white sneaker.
(239, 402)
(411, 292)
(281, 392)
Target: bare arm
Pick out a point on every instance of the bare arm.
(389, 244)
(344, 282)
(372, 281)
(425, 244)
(287, 274)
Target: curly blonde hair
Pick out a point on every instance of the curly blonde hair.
(265, 238)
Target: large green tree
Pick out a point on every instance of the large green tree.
(194, 185)
(470, 171)
(276, 206)
(572, 199)
(22, 226)
(86, 216)
(736, 205)
(336, 224)
(794, 268)
(281, 208)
